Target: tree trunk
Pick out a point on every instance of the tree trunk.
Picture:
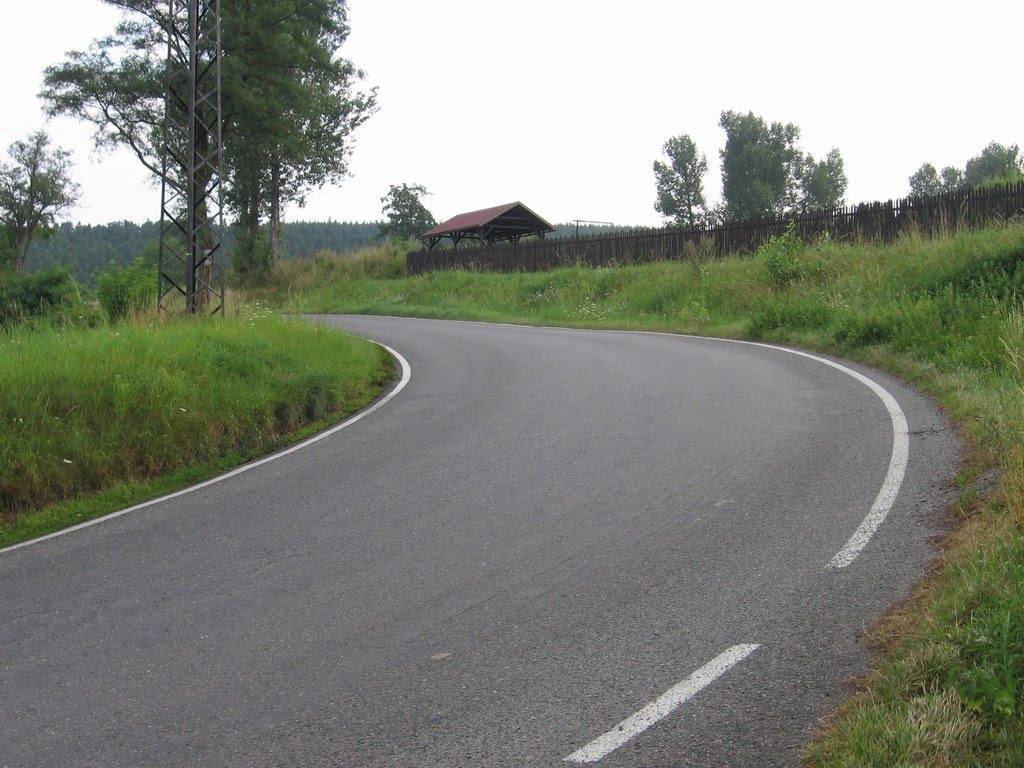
(21, 243)
(275, 215)
(254, 217)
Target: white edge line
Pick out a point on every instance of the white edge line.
(406, 376)
(898, 458)
(662, 706)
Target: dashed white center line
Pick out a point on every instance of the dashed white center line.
(662, 706)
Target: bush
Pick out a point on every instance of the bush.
(781, 259)
(250, 257)
(26, 296)
(122, 290)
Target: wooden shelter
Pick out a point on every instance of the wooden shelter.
(508, 222)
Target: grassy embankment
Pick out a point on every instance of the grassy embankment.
(945, 314)
(94, 420)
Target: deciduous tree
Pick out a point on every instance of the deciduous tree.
(290, 101)
(35, 189)
(292, 104)
(995, 164)
(680, 182)
(760, 167)
(6, 247)
(407, 217)
(823, 182)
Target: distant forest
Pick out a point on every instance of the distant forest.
(90, 249)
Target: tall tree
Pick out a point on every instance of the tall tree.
(292, 103)
(953, 179)
(35, 189)
(928, 181)
(290, 100)
(760, 167)
(925, 181)
(407, 216)
(680, 182)
(6, 247)
(118, 85)
(996, 164)
(823, 183)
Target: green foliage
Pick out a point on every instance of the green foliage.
(294, 106)
(7, 251)
(680, 185)
(925, 181)
(991, 677)
(86, 410)
(863, 329)
(25, 297)
(303, 239)
(823, 183)
(994, 166)
(782, 259)
(88, 249)
(250, 257)
(290, 101)
(35, 189)
(407, 217)
(760, 166)
(123, 290)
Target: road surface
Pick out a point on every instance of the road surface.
(551, 547)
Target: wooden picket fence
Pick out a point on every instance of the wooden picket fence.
(883, 222)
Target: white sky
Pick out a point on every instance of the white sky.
(565, 104)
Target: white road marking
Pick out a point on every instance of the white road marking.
(662, 706)
(898, 457)
(406, 376)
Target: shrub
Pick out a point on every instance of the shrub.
(122, 290)
(781, 259)
(250, 257)
(25, 296)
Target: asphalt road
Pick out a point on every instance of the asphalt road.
(544, 532)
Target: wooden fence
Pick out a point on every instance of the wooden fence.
(865, 222)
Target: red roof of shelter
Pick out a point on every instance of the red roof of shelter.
(470, 220)
(502, 222)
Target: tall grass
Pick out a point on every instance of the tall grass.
(946, 313)
(85, 410)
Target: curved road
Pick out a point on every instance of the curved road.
(551, 548)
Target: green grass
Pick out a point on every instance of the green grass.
(96, 419)
(946, 314)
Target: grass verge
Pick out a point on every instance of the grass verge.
(93, 420)
(945, 314)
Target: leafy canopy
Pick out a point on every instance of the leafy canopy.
(680, 185)
(35, 189)
(407, 216)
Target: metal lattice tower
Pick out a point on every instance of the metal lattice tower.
(191, 205)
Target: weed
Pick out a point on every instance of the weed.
(782, 259)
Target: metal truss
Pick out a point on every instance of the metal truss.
(191, 204)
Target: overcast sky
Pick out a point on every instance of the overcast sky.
(565, 104)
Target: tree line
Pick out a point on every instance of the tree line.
(994, 165)
(765, 174)
(88, 250)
